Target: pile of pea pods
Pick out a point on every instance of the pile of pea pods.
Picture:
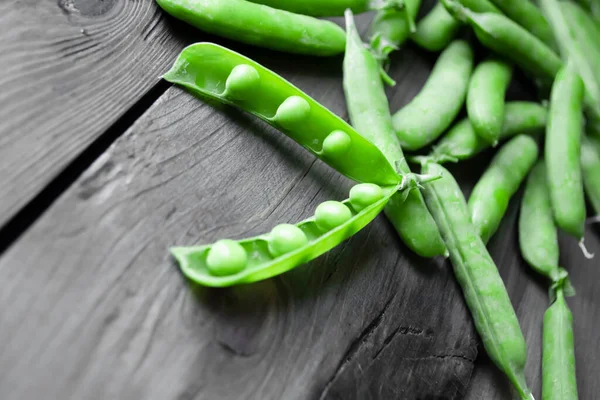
(555, 43)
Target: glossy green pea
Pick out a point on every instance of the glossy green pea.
(393, 27)
(286, 238)
(205, 68)
(461, 142)
(590, 168)
(485, 98)
(424, 119)
(260, 25)
(369, 113)
(562, 152)
(331, 214)
(538, 237)
(320, 8)
(500, 181)
(475, 271)
(263, 252)
(574, 51)
(226, 257)
(510, 40)
(526, 14)
(364, 194)
(436, 30)
(559, 381)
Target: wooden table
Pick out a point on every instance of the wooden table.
(103, 166)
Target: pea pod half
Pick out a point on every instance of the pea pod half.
(482, 286)
(260, 25)
(209, 70)
(320, 8)
(228, 262)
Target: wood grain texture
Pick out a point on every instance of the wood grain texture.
(70, 69)
(96, 308)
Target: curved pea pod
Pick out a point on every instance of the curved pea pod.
(559, 380)
(500, 181)
(526, 14)
(475, 271)
(227, 262)
(260, 25)
(538, 237)
(212, 71)
(424, 119)
(562, 152)
(573, 50)
(510, 40)
(436, 30)
(461, 142)
(369, 113)
(590, 168)
(320, 8)
(585, 32)
(485, 98)
(392, 26)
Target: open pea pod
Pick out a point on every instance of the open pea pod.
(210, 70)
(227, 262)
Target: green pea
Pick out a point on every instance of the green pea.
(241, 82)
(510, 40)
(475, 271)
(292, 111)
(562, 152)
(364, 194)
(424, 119)
(286, 238)
(500, 181)
(260, 25)
(485, 98)
(331, 214)
(436, 30)
(226, 257)
(370, 114)
(336, 143)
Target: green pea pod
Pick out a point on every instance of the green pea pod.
(436, 30)
(483, 289)
(562, 152)
(320, 8)
(228, 262)
(558, 358)
(461, 142)
(574, 51)
(260, 25)
(500, 181)
(538, 237)
(485, 98)
(424, 119)
(480, 6)
(392, 26)
(369, 113)
(510, 40)
(590, 168)
(526, 14)
(585, 32)
(214, 72)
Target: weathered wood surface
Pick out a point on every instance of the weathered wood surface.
(70, 69)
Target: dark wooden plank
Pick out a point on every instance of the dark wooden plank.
(70, 69)
(94, 306)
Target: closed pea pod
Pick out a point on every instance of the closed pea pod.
(562, 152)
(424, 119)
(585, 32)
(212, 71)
(485, 98)
(478, 276)
(436, 30)
(260, 25)
(510, 40)
(500, 181)
(228, 262)
(369, 113)
(590, 168)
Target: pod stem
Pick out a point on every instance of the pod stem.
(412, 181)
(381, 48)
(584, 250)
(457, 10)
(560, 282)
